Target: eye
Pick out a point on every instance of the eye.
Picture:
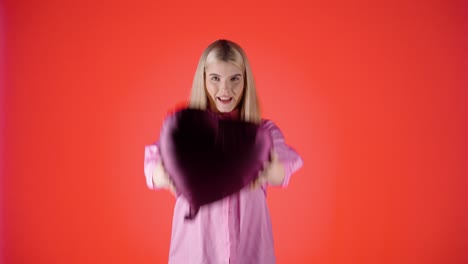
(215, 78)
(235, 78)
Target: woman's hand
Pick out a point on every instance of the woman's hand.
(272, 173)
(161, 178)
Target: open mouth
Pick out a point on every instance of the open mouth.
(224, 100)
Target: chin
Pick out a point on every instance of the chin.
(225, 109)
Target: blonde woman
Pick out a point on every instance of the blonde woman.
(236, 229)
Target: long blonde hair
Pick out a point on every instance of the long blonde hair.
(227, 51)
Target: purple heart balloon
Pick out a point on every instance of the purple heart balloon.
(209, 158)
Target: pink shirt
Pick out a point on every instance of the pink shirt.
(236, 229)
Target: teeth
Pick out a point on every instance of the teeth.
(224, 98)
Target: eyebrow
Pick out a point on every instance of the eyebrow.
(215, 74)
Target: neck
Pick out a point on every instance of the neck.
(233, 115)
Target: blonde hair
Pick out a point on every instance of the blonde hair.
(227, 51)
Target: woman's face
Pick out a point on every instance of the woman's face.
(224, 82)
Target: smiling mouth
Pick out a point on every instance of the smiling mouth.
(224, 100)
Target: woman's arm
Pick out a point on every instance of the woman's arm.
(284, 160)
(155, 173)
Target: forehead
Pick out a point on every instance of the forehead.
(223, 68)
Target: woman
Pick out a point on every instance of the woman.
(236, 229)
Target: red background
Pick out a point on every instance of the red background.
(372, 95)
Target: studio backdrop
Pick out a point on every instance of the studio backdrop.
(372, 95)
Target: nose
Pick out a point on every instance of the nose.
(224, 86)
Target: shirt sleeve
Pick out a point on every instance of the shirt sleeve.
(287, 155)
(152, 157)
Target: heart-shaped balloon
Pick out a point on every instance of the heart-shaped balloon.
(209, 158)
